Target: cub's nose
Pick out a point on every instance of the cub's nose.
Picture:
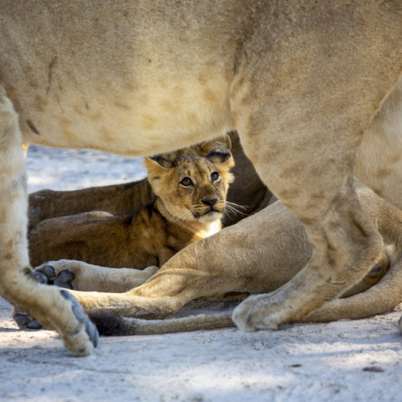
(210, 201)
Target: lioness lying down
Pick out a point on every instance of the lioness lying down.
(300, 80)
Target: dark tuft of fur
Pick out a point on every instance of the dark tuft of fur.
(110, 325)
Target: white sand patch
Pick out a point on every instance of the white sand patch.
(67, 169)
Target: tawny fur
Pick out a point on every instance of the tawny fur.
(176, 216)
(300, 80)
(219, 277)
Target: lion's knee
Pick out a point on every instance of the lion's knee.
(8, 119)
(12, 162)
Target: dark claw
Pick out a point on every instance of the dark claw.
(82, 317)
(44, 275)
(21, 319)
(111, 325)
(33, 324)
(92, 332)
(24, 321)
(65, 279)
(40, 277)
(49, 271)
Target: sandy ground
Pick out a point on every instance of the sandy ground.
(65, 169)
(341, 361)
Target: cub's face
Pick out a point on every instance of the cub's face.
(193, 182)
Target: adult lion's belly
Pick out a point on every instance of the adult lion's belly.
(155, 116)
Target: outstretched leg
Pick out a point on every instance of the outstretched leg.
(55, 308)
(79, 275)
(379, 299)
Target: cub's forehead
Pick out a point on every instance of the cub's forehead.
(194, 167)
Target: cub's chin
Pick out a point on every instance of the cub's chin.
(211, 217)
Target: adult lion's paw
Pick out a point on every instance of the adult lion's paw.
(46, 275)
(54, 273)
(80, 335)
(260, 312)
(85, 337)
(24, 321)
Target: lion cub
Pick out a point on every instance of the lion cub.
(190, 187)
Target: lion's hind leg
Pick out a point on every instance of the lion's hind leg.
(306, 154)
(385, 295)
(346, 243)
(53, 307)
(380, 299)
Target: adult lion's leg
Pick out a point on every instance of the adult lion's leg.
(53, 307)
(82, 276)
(385, 295)
(302, 137)
(381, 298)
(346, 245)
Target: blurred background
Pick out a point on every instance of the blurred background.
(67, 169)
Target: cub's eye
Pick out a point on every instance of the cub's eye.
(215, 176)
(186, 182)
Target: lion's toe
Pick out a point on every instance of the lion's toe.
(25, 322)
(48, 271)
(259, 312)
(65, 279)
(86, 337)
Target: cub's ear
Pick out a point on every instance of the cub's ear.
(226, 140)
(220, 150)
(158, 161)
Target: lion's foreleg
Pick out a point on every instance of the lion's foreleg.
(82, 276)
(52, 307)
